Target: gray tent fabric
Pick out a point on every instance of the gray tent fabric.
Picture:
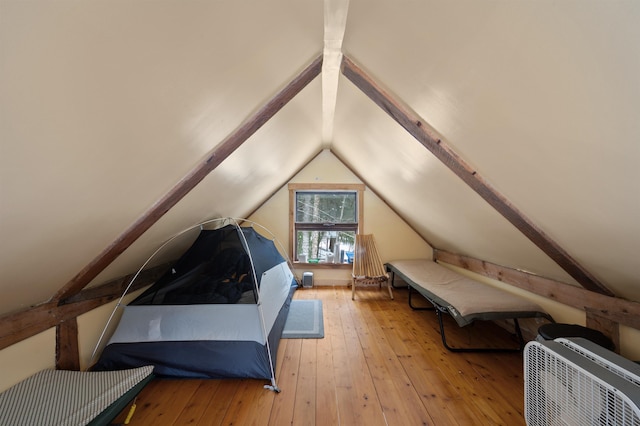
(217, 313)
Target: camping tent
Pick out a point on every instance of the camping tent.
(218, 312)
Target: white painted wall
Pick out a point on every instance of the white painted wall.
(394, 238)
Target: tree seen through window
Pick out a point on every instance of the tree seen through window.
(325, 225)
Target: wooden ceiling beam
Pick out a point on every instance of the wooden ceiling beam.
(620, 311)
(28, 322)
(420, 130)
(210, 161)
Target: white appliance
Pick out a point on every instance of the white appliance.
(575, 382)
(307, 279)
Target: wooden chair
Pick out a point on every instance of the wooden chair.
(368, 268)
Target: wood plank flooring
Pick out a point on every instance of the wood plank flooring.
(380, 363)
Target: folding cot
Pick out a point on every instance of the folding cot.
(466, 300)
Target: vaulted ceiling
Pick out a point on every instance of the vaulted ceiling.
(105, 106)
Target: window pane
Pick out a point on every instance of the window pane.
(326, 207)
(325, 245)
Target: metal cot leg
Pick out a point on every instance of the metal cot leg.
(439, 312)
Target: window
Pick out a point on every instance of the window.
(324, 221)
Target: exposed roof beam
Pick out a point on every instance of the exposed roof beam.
(19, 325)
(210, 161)
(420, 130)
(618, 310)
(335, 21)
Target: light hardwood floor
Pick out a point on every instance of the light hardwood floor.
(380, 363)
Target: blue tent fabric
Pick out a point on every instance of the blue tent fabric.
(162, 327)
(215, 269)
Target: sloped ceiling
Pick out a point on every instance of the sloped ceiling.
(540, 97)
(105, 105)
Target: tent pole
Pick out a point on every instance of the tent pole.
(273, 385)
(126, 290)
